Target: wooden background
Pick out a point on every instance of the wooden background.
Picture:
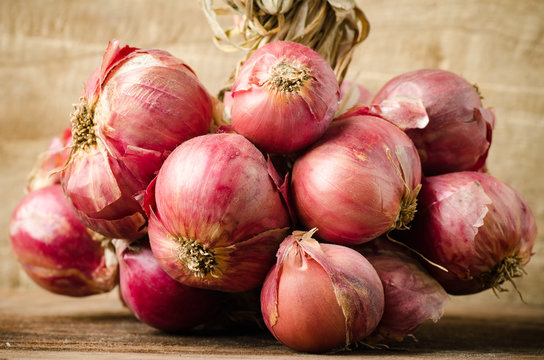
(49, 47)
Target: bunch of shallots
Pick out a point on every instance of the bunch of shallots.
(352, 215)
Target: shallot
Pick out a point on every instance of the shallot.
(216, 216)
(320, 297)
(458, 135)
(137, 107)
(360, 180)
(412, 295)
(284, 97)
(476, 227)
(55, 248)
(154, 297)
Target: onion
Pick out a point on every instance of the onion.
(50, 163)
(284, 97)
(412, 295)
(136, 109)
(154, 297)
(218, 217)
(476, 227)
(459, 132)
(358, 181)
(320, 297)
(55, 248)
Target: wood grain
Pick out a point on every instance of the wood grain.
(49, 47)
(35, 324)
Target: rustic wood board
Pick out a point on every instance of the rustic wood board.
(49, 47)
(36, 324)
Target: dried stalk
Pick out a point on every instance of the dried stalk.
(333, 28)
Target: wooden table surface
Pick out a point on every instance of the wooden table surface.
(35, 324)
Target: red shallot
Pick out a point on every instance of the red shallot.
(320, 297)
(55, 248)
(458, 135)
(284, 97)
(412, 295)
(360, 180)
(476, 227)
(154, 297)
(217, 218)
(135, 110)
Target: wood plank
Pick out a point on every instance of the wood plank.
(37, 324)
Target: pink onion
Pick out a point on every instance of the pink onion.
(458, 135)
(50, 163)
(55, 248)
(358, 181)
(136, 109)
(412, 295)
(218, 217)
(154, 297)
(320, 297)
(476, 227)
(284, 97)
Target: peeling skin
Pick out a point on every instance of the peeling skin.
(456, 138)
(355, 305)
(477, 227)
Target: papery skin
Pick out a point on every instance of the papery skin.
(353, 94)
(227, 105)
(143, 103)
(55, 248)
(103, 198)
(348, 186)
(320, 297)
(216, 190)
(469, 222)
(50, 163)
(412, 295)
(277, 121)
(154, 297)
(459, 132)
